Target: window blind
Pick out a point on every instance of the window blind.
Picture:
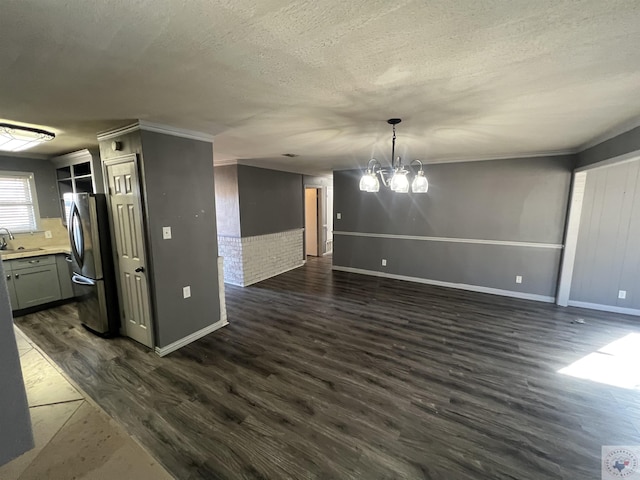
(17, 209)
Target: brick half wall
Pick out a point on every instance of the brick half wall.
(250, 260)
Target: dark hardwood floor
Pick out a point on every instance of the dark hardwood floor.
(325, 374)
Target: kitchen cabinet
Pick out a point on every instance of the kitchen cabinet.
(34, 281)
(63, 264)
(78, 172)
(13, 300)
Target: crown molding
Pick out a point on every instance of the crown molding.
(157, 128)
(611, 133)
(73, 155)
(509, 156)
(32, 156)
(487, 158)
(222, 163)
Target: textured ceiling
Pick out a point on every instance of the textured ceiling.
(319, 78)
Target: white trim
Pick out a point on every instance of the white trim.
(611, 133)
(158, 128)
(605, 308)
(224, 162)
(172, 347)
(459, 286)
(486, 158)
(25, 154)
(620, 159)
(571, 238)
(117, 132)
(555, 246)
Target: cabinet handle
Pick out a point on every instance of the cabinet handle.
(17, 275)
(34, 261)
(8, 277)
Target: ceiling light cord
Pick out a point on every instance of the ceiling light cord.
(393, 148)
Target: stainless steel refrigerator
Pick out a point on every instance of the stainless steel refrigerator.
(92, 262)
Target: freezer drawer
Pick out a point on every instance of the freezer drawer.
(92, 305)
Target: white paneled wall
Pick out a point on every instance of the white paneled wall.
(607, 263)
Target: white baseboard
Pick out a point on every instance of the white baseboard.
(172, 347)
(605, 308)
(459, 286)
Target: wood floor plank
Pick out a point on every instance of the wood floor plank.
(324, 374)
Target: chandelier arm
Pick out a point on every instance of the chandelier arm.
(414, 161)
(382, 173)
(374, 162)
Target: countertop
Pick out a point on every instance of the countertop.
(32, 252)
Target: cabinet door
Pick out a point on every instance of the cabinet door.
(13, 300)
(64, 276)
(36, 285)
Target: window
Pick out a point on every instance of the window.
(18, 202)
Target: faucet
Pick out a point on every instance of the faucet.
(3, 243)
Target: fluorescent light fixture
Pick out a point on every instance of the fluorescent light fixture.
(14, 138)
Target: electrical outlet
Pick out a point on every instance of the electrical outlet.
(622, 294)
(339, 216)
(166, 233)
(384, 262)
(518, 278)
(186, 291)
(47, 234)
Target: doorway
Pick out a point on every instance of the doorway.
(311, 198)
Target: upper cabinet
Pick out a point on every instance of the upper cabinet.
(78, 172)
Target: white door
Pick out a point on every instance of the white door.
(311, 220)
(127, 229)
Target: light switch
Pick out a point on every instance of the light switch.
(338, 216)
(518, 278)
(186, 291)
(622, 294)
(166, 233)
(47, 234)
(384, 262)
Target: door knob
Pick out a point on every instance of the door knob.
(8, 277)
(17, 275)
(139, 269)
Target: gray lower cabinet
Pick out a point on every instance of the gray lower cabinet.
(10, 285)
(63, 262)
(35, 281)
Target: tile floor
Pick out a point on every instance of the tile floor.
(74, 438)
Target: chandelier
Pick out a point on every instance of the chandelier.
(395, 177)
(14, 138)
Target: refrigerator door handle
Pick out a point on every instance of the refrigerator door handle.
(76, 235)
(80, 280)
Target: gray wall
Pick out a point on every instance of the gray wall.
(178, 186)
(271, 201)
(517, 200)
(227, 201)
(44, 174)
(624, 143)
(180, 193)
(15, 422)
(608, 250)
